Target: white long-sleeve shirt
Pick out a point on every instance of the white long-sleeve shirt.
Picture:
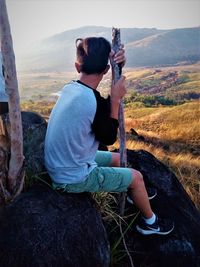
(3, 95)
(78, 122)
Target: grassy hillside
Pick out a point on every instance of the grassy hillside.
(58, 51)
(165, 48)
(176, 125)
(172, 134)
(36, 86)
(144, 47)
(169, 130)
(177, 84)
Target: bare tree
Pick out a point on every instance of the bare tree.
(15, 169)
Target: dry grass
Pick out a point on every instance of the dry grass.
(185, 166)
(173, 136)
(42, 107)
(179, 123)
(40, 86)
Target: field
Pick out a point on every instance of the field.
(172, 134)
(162, 106)
(40, 86)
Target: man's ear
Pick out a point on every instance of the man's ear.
(78, 67)
(106, 70)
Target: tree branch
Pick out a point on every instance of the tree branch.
(116, 74)
(17, 158)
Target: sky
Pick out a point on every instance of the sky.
(33, 20)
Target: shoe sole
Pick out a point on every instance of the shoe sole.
(131, 201)
(151, 232)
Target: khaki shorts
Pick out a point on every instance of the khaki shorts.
(102, 178)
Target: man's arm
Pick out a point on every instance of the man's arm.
(104, 126)
(105, 123)
(117, 92)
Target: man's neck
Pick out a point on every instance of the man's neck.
(92, 80)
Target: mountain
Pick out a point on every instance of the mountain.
(144, 47)
(165, 48)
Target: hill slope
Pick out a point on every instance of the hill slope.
(178, 83)
(170, 47)
(144, 47)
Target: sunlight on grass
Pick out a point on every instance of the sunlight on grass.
(173, 136)
(173, 123)
(170, 133)
(141, 73)
(185, 166)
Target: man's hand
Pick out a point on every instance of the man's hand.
(119, 57)
(118, 90)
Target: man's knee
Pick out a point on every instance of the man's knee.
(137, 179)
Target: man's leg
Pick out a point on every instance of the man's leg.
(139, 195)
(104, 158)
(115, 159)
(137, 187)
(116, 179)
(149, 223)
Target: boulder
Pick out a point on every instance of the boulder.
(133, 135)
(182, 246)
(34, 130)
(44, 228)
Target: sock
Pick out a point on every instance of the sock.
(150, 220)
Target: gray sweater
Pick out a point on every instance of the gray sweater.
(79, 120)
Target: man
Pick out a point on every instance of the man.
(3, 95)
(80, 120)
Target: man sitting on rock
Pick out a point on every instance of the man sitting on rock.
(80, 120)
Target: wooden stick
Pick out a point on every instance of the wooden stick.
(15, 173)
(116, 74)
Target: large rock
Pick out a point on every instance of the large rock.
(182, 246)
(43, 228)
(34, 130)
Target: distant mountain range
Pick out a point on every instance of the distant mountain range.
(144, 48)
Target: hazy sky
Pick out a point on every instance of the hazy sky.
(36, 19)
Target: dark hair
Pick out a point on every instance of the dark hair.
(92, 54)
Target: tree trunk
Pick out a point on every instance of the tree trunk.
(116, 74)
(15, 175)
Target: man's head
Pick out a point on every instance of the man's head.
(92, 55)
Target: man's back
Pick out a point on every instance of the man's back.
(70, 144)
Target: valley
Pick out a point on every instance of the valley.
(162, 106)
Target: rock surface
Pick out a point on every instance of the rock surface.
(44, 228)
(182, 246)
(34, 130)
